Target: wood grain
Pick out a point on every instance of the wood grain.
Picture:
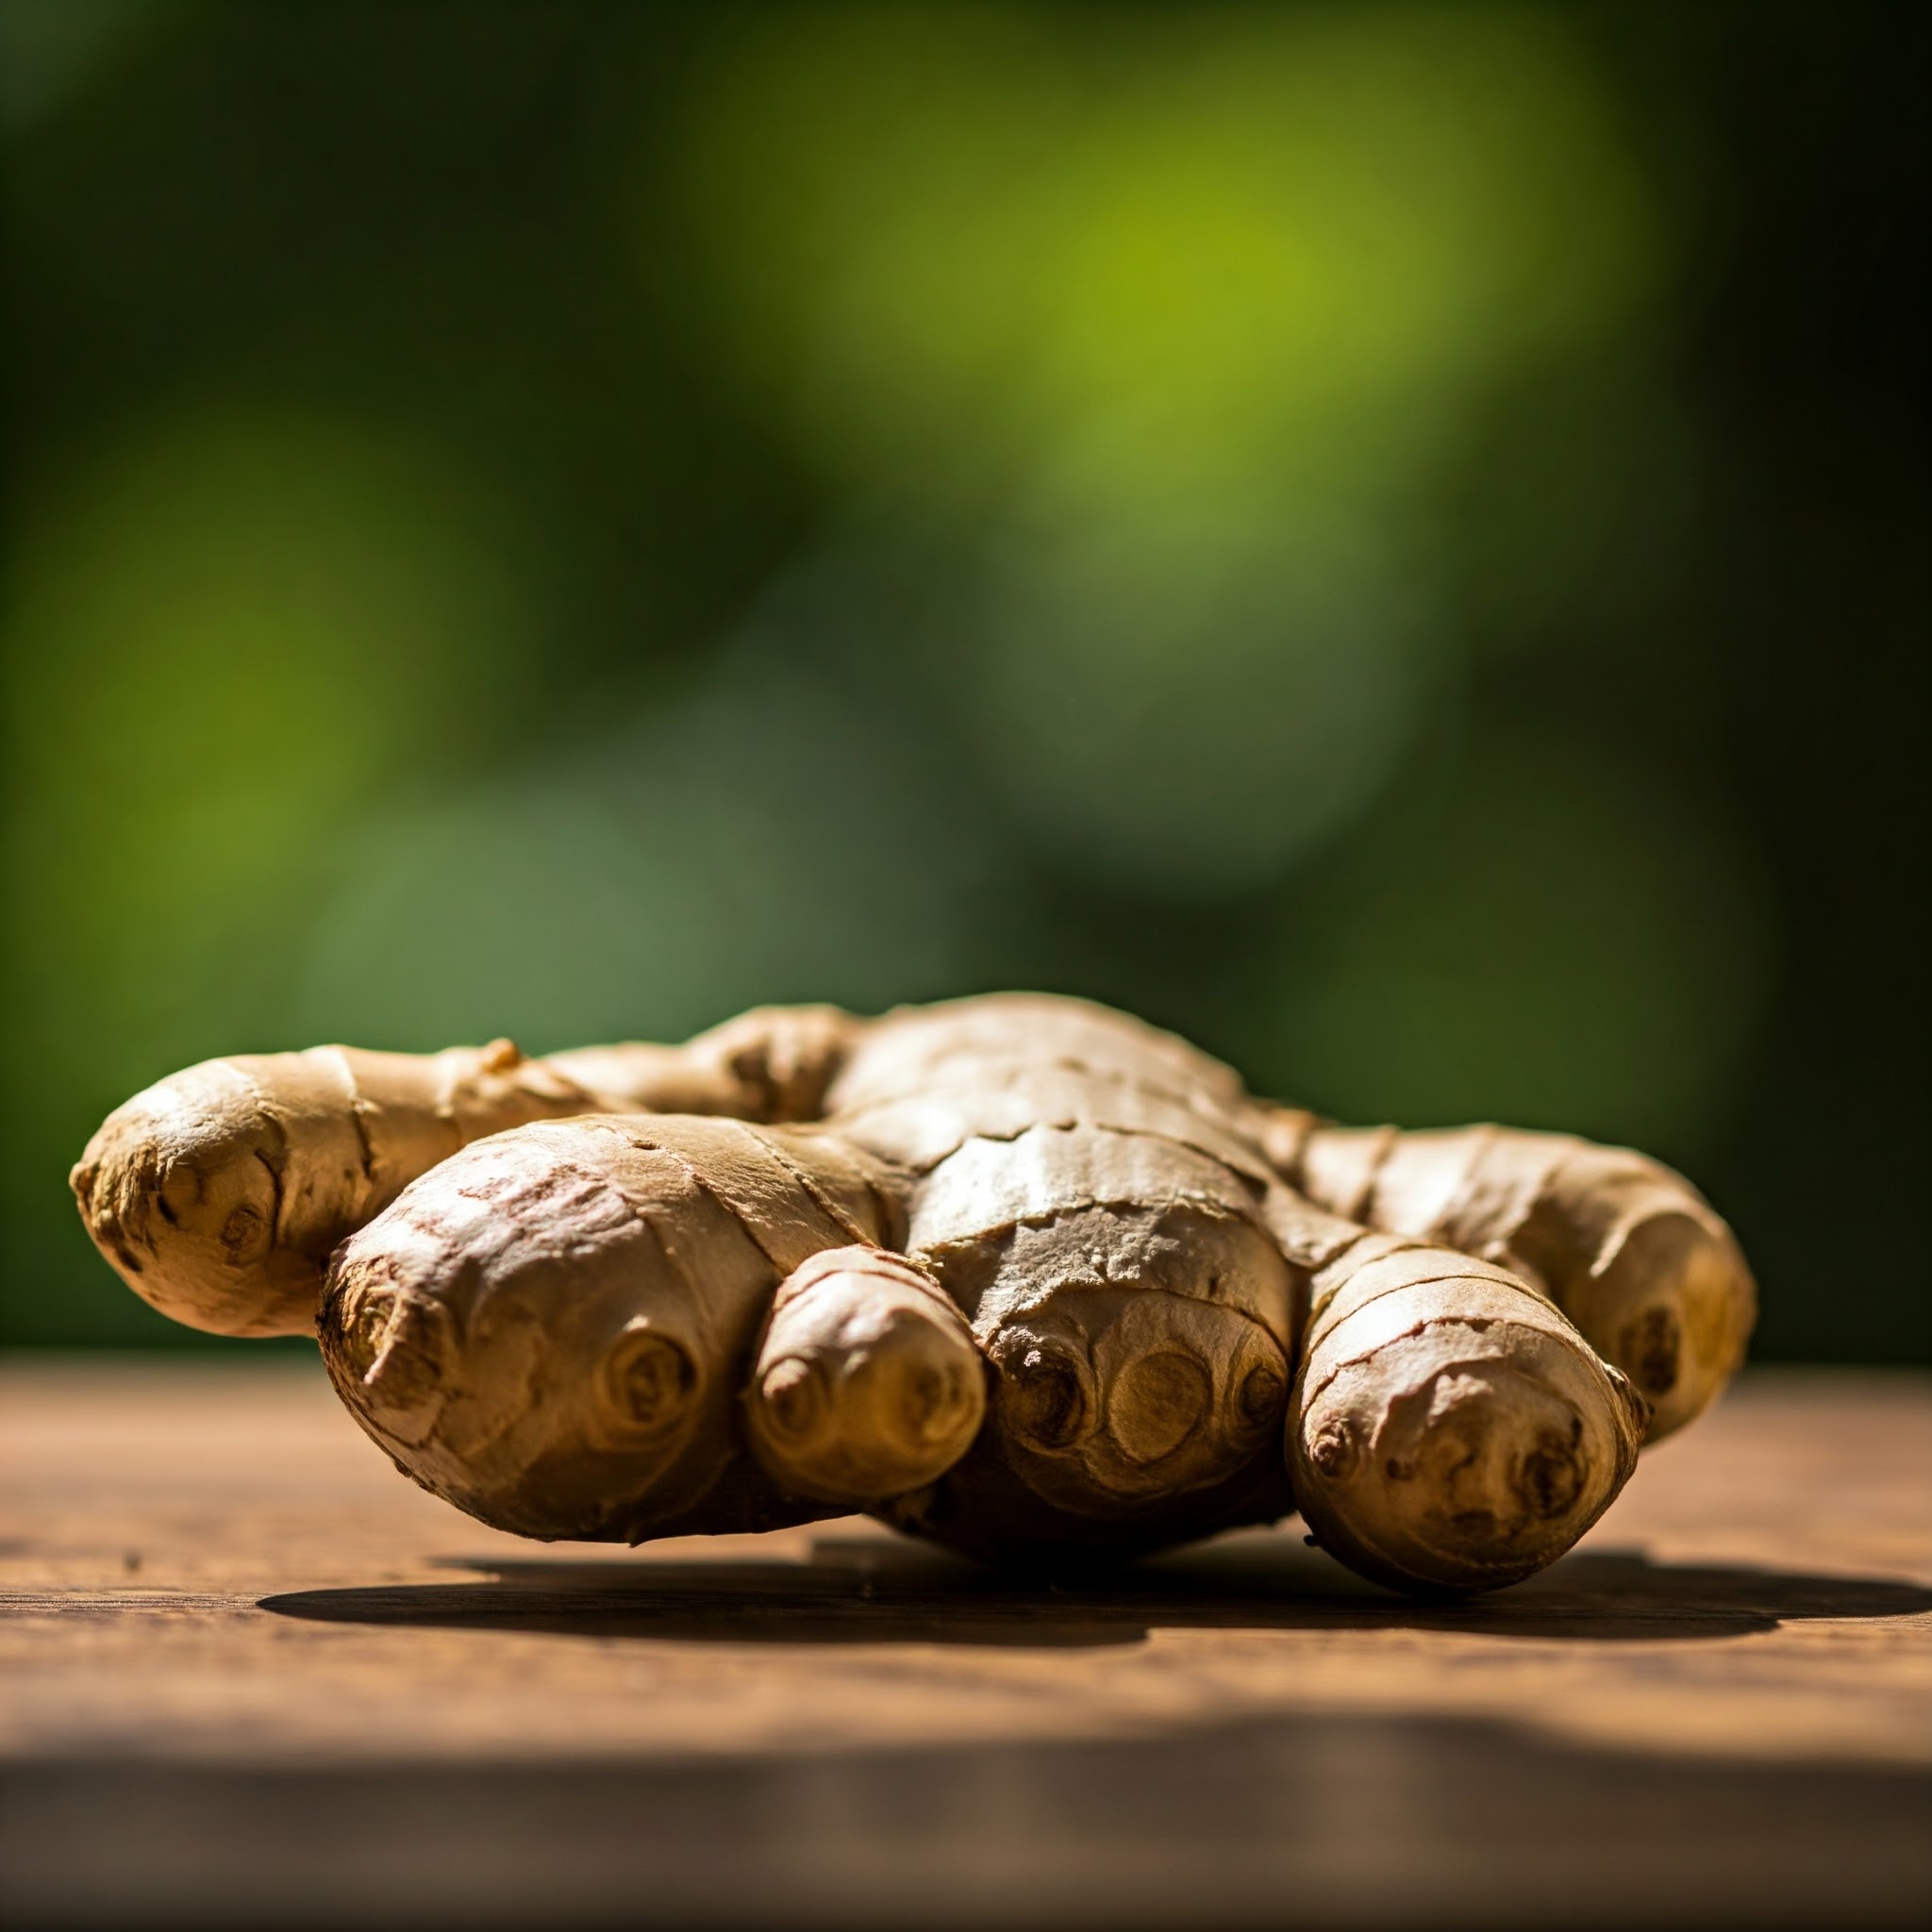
(251, 1675)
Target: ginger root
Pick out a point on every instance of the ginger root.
(219, 1193)
(554, 1328)
(1018, 1273)
(1629, 1250)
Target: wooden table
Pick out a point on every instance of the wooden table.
(253, 1677)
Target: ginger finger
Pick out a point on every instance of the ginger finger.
(219, 1193)
(868, 1384)
(552, 1328)
(1627, 1249)
(1449, 1429)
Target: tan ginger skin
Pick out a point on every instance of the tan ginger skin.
(1018, 1273)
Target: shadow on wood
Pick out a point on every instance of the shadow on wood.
(872, 1591)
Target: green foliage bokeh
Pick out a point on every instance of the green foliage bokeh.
(1381, 537)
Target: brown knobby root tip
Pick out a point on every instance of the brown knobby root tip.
(868, 1384)
(181, 1191)
(1454, 1460)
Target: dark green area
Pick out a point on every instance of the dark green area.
(1392, 540)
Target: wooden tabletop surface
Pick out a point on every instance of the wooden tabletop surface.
(252, 1676)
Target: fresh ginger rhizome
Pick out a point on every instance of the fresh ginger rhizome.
(1018, 1273)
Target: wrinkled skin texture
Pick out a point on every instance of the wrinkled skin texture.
(1018, 1273)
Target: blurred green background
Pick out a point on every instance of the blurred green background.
(1393, 540)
